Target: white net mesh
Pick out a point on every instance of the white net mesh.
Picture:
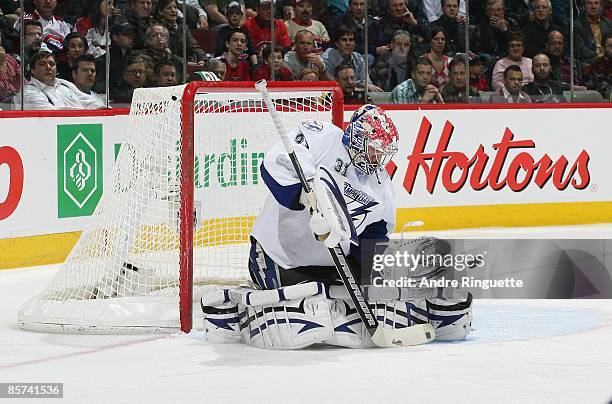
(123, 273)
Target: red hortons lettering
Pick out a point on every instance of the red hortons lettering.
(457, 168)
(10, 157)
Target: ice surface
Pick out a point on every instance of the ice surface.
(537, 351)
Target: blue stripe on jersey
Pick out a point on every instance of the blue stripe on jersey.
(373, 231)
(286, 195)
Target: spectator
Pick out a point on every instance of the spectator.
(308, 74)
(356, 17)
(215, 9)
(10, 75)
(71, 10)
(84, 78)
(536, 32)
(337, 7)
(453, 24)
(543, 89)
(492, 34)
(434, 9)
(75, 46)
(518, 11)
(600, 78)
(164, 74)
(560, 65)
(166, 12)
(419, 89)
(264, 71)
(343, 52)
(213, 70)
(134, 76)
(345, 75)
(54, 28)
(515, 48)
(394, 67)
(10, 10)
(510, 92)
(304, 56)
(288, 12)
(47, 92)
(122, 41)
(233, 13)
(32, 41)
(236, 62)
(439, 61)
(192, 8)
(140, 18)
(589, 32)
(454, 91)
(93, 27)
(477, 73)
(399, 17)
(156, 50)
(258, 28)
(303, 20)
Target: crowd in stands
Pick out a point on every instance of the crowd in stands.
(78, 53)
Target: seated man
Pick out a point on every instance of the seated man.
(303, 20)
(419, 89)
(54, 28)
(510, 92)
(134, 76)
(600, 78)
(164, 74)
(46, 92)
(291, 279)
(84, 78)
(343, 52)
(454, 90)
(304, 56)
(543, 88)
(345, 75)
(259, 30)
(394, 67)
(590, 30)
(236, 60)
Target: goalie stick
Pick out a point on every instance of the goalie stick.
(381, 337)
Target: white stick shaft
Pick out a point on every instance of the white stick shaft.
(261, 86)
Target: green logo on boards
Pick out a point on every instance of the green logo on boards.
(79, 169)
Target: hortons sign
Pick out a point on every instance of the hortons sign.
(495, 170)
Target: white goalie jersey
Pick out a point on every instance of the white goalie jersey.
(282, 227)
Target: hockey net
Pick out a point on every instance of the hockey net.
(176, 218)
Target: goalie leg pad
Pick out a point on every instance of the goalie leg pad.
(348, 327)
(221, 325)
(293, 324)
(291, 317)
(451, 318)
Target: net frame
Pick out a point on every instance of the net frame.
(188, 99)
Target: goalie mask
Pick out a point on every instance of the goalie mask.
(370, 138)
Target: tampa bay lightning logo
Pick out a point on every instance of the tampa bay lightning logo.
(314, 126)
(301, 139)
(358, 203)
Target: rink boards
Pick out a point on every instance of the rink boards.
(456, 168)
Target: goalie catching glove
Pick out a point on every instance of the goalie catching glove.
(330, 220)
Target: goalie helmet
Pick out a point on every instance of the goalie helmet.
(370, 138)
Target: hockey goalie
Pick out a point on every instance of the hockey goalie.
(296, 299)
